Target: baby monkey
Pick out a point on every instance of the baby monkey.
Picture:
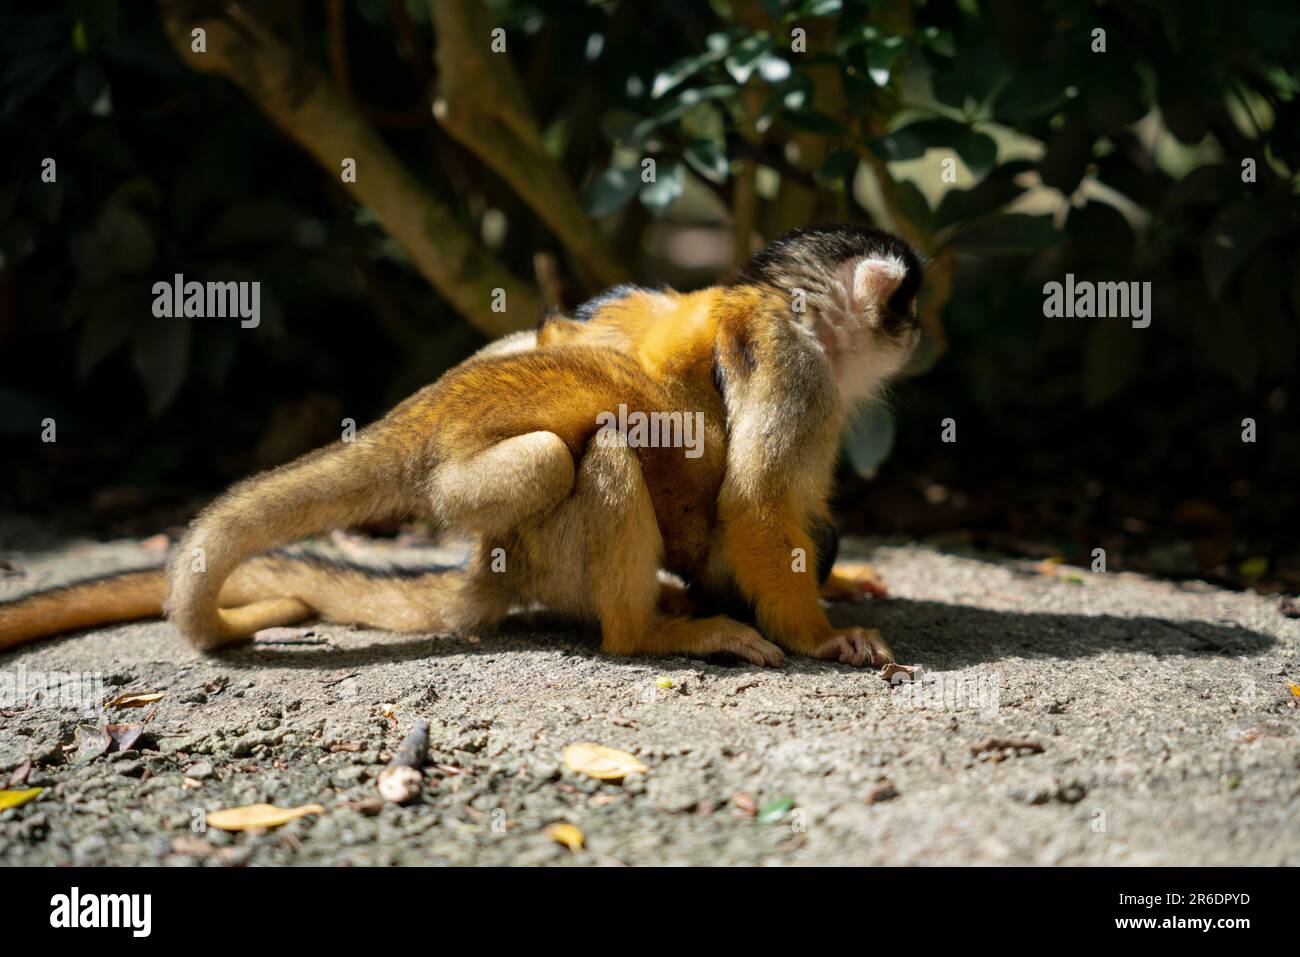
(509, 449)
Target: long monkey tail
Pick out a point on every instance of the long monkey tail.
(394, 599)
(344, 484)
(124, 596)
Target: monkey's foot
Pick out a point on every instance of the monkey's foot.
(718, 635)
(857, 647)
(742, 641)
(852, 581)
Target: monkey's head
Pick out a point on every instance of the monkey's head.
(853, 289)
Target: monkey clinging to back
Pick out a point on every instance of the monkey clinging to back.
(506, 448)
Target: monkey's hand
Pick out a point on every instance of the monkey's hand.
(852, 581)
(857, 647)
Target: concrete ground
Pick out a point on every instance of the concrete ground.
(1155, 719)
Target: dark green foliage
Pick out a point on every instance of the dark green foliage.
(164, 171)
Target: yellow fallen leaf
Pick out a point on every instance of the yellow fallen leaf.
(598, 761)
(1295, 690)
(10, 798)
(259, 816)
(136, 700)
(566, 834)
(1254, 567)
(664, 682)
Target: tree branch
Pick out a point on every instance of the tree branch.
(299, 100)
(482, 104)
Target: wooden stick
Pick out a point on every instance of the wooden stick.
(401, 780)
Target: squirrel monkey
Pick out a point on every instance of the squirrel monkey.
(813, 325)
(506, 448)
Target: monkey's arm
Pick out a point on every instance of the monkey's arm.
(783, 436)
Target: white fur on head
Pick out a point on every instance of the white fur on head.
(848, 327)
(875, 280)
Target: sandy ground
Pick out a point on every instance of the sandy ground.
(1167, 729)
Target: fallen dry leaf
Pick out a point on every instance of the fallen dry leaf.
(188, 845)
(1295, 689)
(600, 762)
(745, 803)
(135, 699)
(18, 776)
(1001, 745)
(259, 816)
(90, 743)
(10, 798)
(566, 834)
(881, 794)
(903, 672)
(125, 736)
(288, 636)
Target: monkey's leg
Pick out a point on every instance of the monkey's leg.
(514, 480)
(622, 554)
(770, 550)
(853, 581)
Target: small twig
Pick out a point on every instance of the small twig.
(1005, 744)
(401, 780)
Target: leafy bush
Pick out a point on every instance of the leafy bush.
(997, 137)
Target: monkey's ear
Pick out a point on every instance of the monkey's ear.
(876, 279)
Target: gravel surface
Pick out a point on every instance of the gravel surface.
(1155, 721)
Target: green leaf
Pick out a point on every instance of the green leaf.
(689, 66)
(1227, 341)
(1030, 95)
(619, 126)
(977, 150)
(21, 413)
(870, 438)
(670, 180)
(1237, 232)
(113, 316)
(1112, 358)
(995, 190)
(686, 103)
(774, 810)
(611, 190)
(913, 206)
(774, 69)
(1068, 154)
(160, 356)
(708, 158)
(253, 223)
(746, 57)
(810, 121)
(703, 121)
(1008, 234)
(882, 54)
